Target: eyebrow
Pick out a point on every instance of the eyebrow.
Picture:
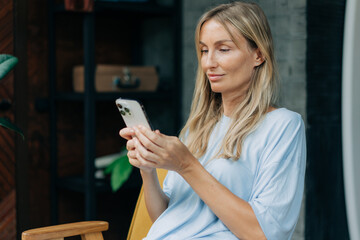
(217, 42)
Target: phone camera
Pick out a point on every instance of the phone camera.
(123, 110)
(127, 111)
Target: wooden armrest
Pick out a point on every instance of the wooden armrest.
(86, 229)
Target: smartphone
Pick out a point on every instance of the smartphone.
(132, 112)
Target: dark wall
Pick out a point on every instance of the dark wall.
(325, 204)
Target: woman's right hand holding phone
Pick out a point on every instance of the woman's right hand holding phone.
(129, 135)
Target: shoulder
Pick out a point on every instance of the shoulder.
(280, 123)
(284, 114)
(282, 133)
(283, 117)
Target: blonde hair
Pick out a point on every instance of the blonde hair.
(207, 109)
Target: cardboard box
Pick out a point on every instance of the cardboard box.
(116, 78)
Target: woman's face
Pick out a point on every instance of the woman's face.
(228, 66)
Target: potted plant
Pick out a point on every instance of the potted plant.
(117, 166)
(7, 63)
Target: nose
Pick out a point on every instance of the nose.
(210, 60)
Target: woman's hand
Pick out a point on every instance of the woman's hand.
(155, 199)
(129, 134)
(156, 150)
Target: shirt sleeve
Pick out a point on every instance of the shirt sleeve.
(167, 184)
(169, 179)
(279, 179)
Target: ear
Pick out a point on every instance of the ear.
(259, 59)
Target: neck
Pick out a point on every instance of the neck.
(229, 103)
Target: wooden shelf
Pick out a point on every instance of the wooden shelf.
(112, 96)
(129, 7)
(135, 16)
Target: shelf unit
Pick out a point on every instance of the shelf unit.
(68, 96)
(87, 184)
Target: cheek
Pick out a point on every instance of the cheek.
(244, 71)
(233, 66)
(239, 65)
(202, 63)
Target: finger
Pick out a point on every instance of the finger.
(132, 159)
(141, 164)
(160, 134)
(130, 145)
(138, 161)
(147, 143)
(145, 153)
(127, 133)
(151, 140)
(144, 162)
(131, 154)
(134, 162)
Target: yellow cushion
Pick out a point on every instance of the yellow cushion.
(141, 221)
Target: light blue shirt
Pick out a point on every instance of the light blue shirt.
(269, 175)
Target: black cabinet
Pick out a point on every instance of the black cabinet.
(151, 35)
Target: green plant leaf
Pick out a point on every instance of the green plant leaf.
(111, 166)
(121, 171)
(6, 123)
(7, 62)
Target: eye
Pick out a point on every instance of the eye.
(203, 51)
(224, 49)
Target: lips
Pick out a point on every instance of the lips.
(215, 77)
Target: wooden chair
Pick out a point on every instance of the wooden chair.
(92, 230)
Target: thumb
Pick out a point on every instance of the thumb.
(160, 134)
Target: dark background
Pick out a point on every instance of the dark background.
(325, 203)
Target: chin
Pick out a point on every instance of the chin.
(215, 88)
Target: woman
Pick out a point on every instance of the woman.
(239, 170)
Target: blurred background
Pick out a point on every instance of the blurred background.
(50, 178)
